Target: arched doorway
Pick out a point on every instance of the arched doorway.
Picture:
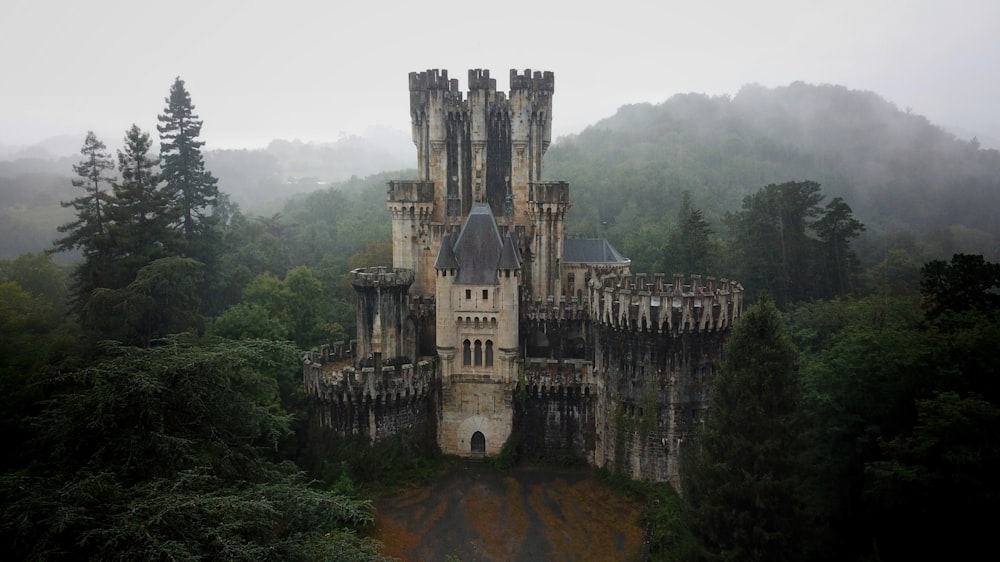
(478, 444)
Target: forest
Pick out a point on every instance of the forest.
(149, 346)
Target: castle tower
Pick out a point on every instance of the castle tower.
(384, 331)
(484, 149)
(477, 301)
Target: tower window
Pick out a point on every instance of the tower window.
(479, 353)
(468, 294)
(489, 353)
(466, 353)
(486, 294)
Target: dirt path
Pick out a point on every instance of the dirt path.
(475, 513)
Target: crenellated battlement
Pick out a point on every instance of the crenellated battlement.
(551, 309)
(479, 79)
(381, 277)
(410, 191)
(695, 305)
(548, 192)
(432, 79)
(339, 384)
(539, 81)
(545, 374)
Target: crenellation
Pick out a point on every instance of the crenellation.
(479, 79)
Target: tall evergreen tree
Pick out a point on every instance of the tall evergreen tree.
(689, 247)
(836, 227)
(744, 482)
(771, 235)
(89, 232)
(141, 223)
(191, 188)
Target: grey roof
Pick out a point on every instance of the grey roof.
(477, 248)
(510, 258)
(591, 250)
(446, 255)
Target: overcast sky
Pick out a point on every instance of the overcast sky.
(315, 70)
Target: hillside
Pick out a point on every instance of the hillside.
(260, 181)
(900, 173)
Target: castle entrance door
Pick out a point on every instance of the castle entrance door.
(478, 444)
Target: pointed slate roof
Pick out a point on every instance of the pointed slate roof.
(446, 254)
(510, 257)
(478, 250)
(591, 250)
(478, 247)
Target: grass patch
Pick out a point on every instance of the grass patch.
(668, 529)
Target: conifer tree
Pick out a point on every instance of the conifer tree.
(192, 189)
(689, 247)
(89, 232)
(743, 483)
(835, 229)
(141, 224)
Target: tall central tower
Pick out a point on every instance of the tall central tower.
(487, 148)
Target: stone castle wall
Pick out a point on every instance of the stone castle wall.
(375, 402)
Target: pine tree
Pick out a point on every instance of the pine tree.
(689, 247)
(835, 229)
(192, 189)
(744, 481)
(90, 231)
(141, 223)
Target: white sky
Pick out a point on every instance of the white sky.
(313, 70)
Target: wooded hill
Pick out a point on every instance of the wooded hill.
(903, 176)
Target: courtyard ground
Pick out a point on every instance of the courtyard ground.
(477, 513)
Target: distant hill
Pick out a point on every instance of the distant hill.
(899, 172)
(33, 180)
(284, 168)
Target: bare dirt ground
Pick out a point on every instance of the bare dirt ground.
(476, 513)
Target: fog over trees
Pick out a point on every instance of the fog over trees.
(150, 376)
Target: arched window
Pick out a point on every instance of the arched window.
(489, 353)
(479, 353)
(466, 353)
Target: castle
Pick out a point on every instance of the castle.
(493, 325)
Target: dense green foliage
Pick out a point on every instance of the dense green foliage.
(133, 436)
(166, 453)
(892, 448)
(665, 516)
(906, 179)
(744, 480)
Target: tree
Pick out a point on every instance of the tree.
(89, 232)
(162, 300)
(140, 229)
(167, 453)
(967, 283)
(191, 189)
(689, 247)
(836, 227)
(744, 482)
